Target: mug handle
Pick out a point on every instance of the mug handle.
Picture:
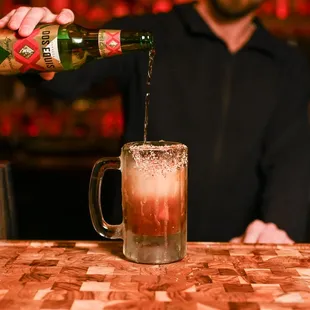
(94, 195)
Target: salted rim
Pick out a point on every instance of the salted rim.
(158, 157)
(154, 145)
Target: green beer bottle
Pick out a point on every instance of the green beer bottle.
(56, 48)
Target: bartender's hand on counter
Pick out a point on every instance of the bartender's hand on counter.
(260, 232)
(25, 19)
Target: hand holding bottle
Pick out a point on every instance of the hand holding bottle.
(34, 40)
(25, 19)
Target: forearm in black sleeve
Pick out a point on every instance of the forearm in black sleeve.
(286, 161)
(71, 84)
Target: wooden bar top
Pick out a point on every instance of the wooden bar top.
(94, 275)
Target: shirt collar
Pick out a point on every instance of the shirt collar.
(261, 40)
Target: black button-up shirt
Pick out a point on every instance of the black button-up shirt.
(243, 117)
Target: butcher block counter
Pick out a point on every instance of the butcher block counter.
(95, 275)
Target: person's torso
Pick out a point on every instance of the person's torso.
(217, 104)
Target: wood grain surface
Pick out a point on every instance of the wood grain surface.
(94, 275)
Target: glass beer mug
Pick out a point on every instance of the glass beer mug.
(154, 201)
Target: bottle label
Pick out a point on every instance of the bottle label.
(109, 42)
(37, 52)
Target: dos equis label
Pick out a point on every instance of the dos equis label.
(109, 42)
(38, 52)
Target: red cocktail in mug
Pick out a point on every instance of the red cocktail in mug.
(154, 201)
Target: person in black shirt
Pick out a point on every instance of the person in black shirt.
(229, 90)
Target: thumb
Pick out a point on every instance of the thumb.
(47, 75)
(253, 231)
(236, 240)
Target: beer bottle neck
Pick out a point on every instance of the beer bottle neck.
(140, 40)
(100, 43)
(107, 42)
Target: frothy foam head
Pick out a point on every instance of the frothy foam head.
(158, 158)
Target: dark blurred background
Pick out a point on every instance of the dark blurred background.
(52, 144)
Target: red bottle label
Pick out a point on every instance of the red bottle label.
(37, 52)
(109, 42)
